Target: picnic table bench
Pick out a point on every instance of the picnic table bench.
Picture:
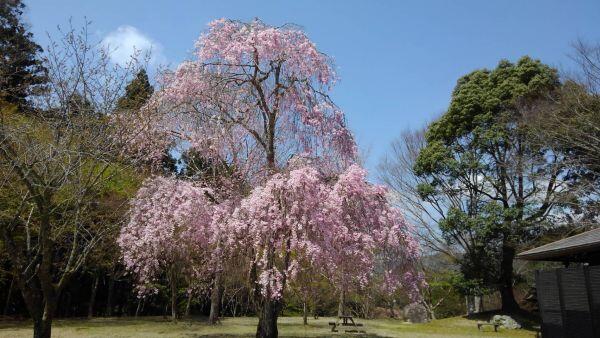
(346, 321)
(481, 324)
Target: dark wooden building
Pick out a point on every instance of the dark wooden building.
(569, 297)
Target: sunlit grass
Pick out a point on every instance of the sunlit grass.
(151, 327)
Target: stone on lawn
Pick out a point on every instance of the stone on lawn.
(415, 313)
(506, 322)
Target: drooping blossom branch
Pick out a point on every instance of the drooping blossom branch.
(254, 96)
(169, 230)
(340, 229)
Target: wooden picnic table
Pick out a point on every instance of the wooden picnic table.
(345, 321)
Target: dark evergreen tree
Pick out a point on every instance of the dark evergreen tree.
(21, 69)
(137, 92)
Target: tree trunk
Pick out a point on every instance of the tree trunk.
(267, 320)
(315, 302)
(42, 317)
(304, 313)
(478, 304)
(431, 312)
(109, 297)
(188, 305)
(93, 297)
(173, 300)
(139, 307)
(215, 300)
(42, 327)
(509, 304)
(367, 307)
(342, 303)
(8, 297)
(470, 304)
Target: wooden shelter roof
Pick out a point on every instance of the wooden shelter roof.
(578, 248)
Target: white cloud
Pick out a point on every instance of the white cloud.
(127, 40)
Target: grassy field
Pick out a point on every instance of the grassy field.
(151, 327)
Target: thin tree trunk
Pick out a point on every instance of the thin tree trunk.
(469, 302)
(93, 296)
(8, 297)
(304, 313)
(478, 304)
(188, 305)
(481, 307)
(173, 302)
(392, 314)
(139, 307)
(431, 313)
(173, 283)
(109, 297)
(342, 302)
(215, 300)
(315, 302)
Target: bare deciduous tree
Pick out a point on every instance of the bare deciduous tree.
(57, 163)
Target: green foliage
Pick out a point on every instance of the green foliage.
(482, 96)
(481, 157)
(452, 301)
(468, 286)
(120, 181)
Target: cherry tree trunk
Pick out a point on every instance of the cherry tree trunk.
(215, 300)
(138, 309)
(304, 313)
(173, 301)
(267, 319)
(342, 303)
(188, 305)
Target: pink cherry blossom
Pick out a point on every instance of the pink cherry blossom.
(254, 96)
(339, 228)
(169, 228)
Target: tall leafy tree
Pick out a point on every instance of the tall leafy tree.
(21, 68)
(483, 145)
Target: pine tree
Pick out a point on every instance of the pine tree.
(137, 92)
(21, 69)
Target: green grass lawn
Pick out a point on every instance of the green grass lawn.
(151, 327)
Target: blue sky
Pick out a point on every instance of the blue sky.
(398, 60)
